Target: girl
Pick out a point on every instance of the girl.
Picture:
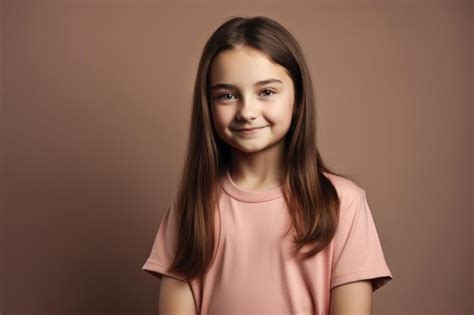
(259, 224)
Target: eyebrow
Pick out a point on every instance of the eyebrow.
(230, 86)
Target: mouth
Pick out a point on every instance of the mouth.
(248, 131)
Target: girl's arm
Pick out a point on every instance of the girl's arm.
(353, 298)
(175, 297)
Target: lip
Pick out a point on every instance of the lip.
(249, 131)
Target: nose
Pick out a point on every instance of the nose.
(248, 109)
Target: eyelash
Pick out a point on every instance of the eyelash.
(224, 94)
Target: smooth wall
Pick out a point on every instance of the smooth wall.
(95, 106)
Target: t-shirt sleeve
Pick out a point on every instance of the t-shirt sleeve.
(164, 247)
(357, 252)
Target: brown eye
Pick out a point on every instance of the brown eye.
(222, 95)
(269, 91)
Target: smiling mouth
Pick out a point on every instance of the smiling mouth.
(249, 129)
(249, 132)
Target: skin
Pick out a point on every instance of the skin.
(256, 159)
(353, 298)
(175, 297)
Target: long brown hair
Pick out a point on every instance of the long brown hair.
(312, 199)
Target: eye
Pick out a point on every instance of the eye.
(222, 95)
(269, 91)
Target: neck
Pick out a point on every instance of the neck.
(258, 170)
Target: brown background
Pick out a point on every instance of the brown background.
(95, 101)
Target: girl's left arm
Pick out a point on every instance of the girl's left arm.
(353, 298)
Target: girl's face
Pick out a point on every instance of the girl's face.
(240, 99)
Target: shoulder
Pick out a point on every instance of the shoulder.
(348, 191)
(345, 187)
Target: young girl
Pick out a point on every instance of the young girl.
(259, 224)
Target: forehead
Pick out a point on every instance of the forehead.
(243, 66)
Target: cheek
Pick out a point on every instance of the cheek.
(280, 114)
(220, 117)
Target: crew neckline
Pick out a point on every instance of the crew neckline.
(241, 194)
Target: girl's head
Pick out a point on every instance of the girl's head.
(242, 52)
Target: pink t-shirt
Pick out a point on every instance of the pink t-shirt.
(253, 271)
